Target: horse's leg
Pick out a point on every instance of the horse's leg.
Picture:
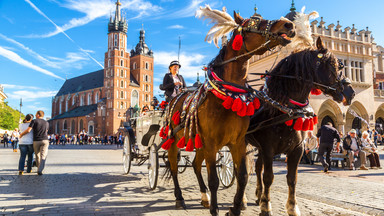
(259, 170)
(213, 180)
(265, 204)
(172, 157)
(197, 163)
(238, 152)
(293, 162)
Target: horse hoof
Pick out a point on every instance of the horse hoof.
(230, 213)
(215, 212)
(180, 204)
(243, 206)
(264, 213)
(205, 203)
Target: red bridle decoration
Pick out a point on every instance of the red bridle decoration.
(316, 91)
(237, 42)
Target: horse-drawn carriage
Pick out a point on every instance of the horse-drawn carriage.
(142, 143)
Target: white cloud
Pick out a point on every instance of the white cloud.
(17, 59)
(34, 107)
(176, 27)
(11, 86)
(191, 63)
(31, 95)
(94, 9)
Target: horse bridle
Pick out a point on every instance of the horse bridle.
(253, 26)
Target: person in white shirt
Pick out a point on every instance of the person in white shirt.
(26, 145)
(352, 145)
(15, 139)
(371, 151)
(310, 144)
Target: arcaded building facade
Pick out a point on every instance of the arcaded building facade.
(98, 102)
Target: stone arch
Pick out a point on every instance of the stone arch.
(332, 110)
(379, 119)
(360, 110)
(91, 128)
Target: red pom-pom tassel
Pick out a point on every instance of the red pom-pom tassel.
(315, 120)
(298, 124)
(166, 130)
(198, 142)
(167, 145)
(289, 122)
(250, 109)
(311, 124)
(228, 102)
(237, 105)
(161, 132)
(316, 91)
(181, 143)
(243, 111)
(176, 118)
(256, 103)
(189, 145)
(305, 125)
(237, 42)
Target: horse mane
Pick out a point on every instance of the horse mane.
(219, 70)
(223, 23)
(300, 64)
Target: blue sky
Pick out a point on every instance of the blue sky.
(36, 57)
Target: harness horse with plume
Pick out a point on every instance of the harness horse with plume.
(217, 114)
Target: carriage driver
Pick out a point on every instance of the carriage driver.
(173, 82)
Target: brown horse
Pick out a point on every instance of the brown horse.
(288, 86)
(219, 126)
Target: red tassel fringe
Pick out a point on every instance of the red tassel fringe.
(181, 143)
(298, 124)
(250, 109)
(167, 145)
(189, 145)
(198, 143)
(316, 91)
(311, 124)
(161, 132)
(256, 103)
(305, 125)
(166, 130)
(237, 42)
(237, 105)
(289, 122)
(315, 119)
(243, 111)
(228, 103)
(176, 118)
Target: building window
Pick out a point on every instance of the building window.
(146, 98)
(121, 105)
(122, 84)
(122, 95)
(109, 62)
(134, 65)
(122, 73)
(73, 100)
(146, 88)
(66, 105)
(115, 40)
(146, 65)
(380, 62)
(97, 97)
(60, 108)
(121, 63)
(381, 85)
(89, 99)
(122, 53)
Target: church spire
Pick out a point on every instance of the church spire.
(117, 14)
(293, 9)
(119, 23)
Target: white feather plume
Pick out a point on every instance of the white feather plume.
(303, 38)
(223, 23)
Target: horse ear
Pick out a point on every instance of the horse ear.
(238, 19)
(319, 44)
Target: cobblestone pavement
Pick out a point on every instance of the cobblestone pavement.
(88, 180)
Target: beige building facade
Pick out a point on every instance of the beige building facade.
(3, 96)
(363, 61)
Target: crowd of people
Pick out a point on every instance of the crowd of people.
(355, 144)
(83, 138)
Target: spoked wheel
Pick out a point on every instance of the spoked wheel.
(182, 165)
(225, 167)
(127, 155)
(153, 167)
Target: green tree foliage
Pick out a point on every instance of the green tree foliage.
(9, 117)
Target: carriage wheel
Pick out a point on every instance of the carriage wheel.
(127, 155)
(225, 167)
(153, 167)
(182, 165)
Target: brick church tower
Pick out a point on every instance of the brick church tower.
(116, 72)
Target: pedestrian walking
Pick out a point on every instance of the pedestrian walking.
(26, 145)
(40, 139)
(15, 139)
(5, 138)
(327, 134)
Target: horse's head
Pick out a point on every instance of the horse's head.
(330, 80)
(255, 31)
